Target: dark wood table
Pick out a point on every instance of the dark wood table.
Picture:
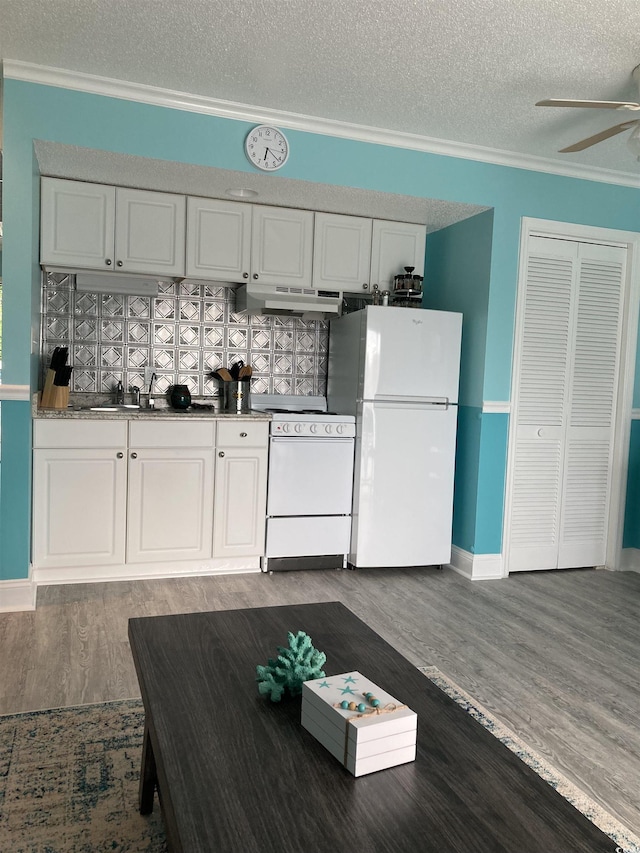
(236, 772)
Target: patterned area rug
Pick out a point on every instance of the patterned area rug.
(69, 782)
(69, 779)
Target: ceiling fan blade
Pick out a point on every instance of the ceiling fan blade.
(598, 137)
(596, 105)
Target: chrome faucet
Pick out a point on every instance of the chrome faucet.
(119, 394)
(151, 401)
(133, 389)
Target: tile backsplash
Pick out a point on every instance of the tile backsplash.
(189, 329)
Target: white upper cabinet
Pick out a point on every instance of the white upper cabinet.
(77, 224)
(92, 226)
(150, 232)
(281, 246)
(218, 239)
(342, 253)
(394, 246)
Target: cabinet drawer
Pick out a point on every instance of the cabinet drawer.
(80, 433)
(242, 434)
(172, 433)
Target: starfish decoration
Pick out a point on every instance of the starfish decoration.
(347, 690)
(349, 680)
(324, 684)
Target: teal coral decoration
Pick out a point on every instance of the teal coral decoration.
(300, 662)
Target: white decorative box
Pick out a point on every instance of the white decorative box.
(372, 738)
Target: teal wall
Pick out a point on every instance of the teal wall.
(32, 111)
(631, 535)
(458, 278)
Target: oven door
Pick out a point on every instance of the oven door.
(310, 476)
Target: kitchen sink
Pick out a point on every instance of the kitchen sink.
(120, 407)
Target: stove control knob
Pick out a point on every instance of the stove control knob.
(340, 429)
(313, 429)
(285, 427)
(298, 427)
(328, 429)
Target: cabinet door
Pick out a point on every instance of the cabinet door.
(282, 246)
(150, 232)
(394, 246)
(240, 502)
(77, 224)
(218, 239)
(341, 253)
(170, 504)
(79, 507)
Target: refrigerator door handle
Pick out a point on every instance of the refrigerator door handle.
(398, 400)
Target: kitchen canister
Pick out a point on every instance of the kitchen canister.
(236, 397)
(180, 397)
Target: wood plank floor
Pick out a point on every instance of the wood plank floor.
(554, 655)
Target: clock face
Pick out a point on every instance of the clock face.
(267, 148)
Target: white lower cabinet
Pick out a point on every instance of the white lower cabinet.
(240, 492)
(170, 504)
(79, 506)
(79, 493)
(118, 493)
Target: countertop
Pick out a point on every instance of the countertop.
(80, 408)
(146, 414)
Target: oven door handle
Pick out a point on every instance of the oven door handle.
(311, 439)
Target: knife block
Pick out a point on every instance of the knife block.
(47, 391)
(54, 396)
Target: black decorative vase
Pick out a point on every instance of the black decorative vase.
(180, 397)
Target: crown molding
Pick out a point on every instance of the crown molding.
(30, 72)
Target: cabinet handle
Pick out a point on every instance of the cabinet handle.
(221, 453)
(108, 262)
(119, 263)
(134, 455)
(365, 286)
(245, 275)
(255, 275)
(243, 435)
(120, 455)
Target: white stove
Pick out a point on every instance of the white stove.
(310, 483)
(295, 415)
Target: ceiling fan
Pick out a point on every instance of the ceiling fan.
(633, 124)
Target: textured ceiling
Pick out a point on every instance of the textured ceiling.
(468, 71)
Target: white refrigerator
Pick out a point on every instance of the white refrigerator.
(397, 370)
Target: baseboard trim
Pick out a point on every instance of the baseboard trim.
(630, 560)
(476, 567)
(144, 571)
(17, 595)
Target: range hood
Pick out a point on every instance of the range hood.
(279, 299)
(109, 282)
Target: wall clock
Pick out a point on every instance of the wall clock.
(267, 147)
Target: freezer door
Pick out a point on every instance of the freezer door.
(403, 493)
(411, 353)
(310, 476)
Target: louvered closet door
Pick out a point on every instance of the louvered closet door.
(593, 384)
(565, 404)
